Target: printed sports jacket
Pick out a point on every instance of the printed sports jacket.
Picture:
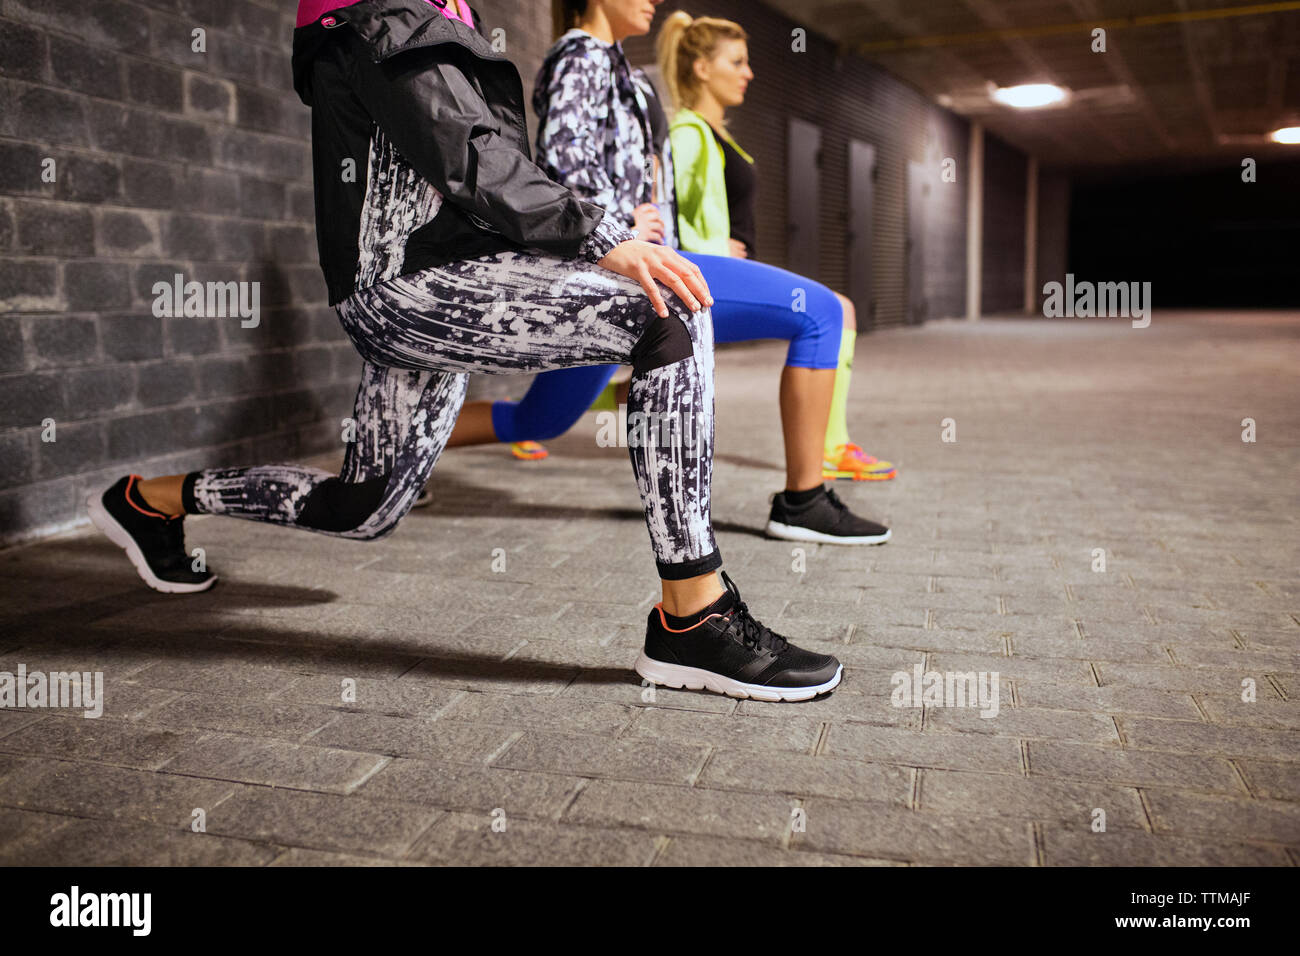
(420, 149)
(599, 123)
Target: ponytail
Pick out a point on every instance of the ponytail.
(565, 15)
(682, 40)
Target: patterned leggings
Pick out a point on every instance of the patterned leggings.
(422, 334)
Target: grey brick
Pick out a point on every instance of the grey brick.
(30, 398)
(560, 714)
(916, 749)
(715, 851)
(802, 776)
(321, 821)
(469, 789)
(209, 97)
(1224, 819)
(96, 286)
(461, 838)
(23, 52)
(1202, 738)
(271, 112)
(121, 129)
(49, 228)
(16, 457)
(1065, 802)
(60, 341)
(84, 68)
(252, 718)
(1128, 848)
(126, 233)
(883, 832)
(131, 337)
(87, 179)
(664, 809)
(151, 184)
(412, 737)
(111, 843)
(93, 390)
(13, 355)
(109, 23)
(164, 383)
(29, 286)
(275, 763)
(78, 447)
(101, 741)
(51, 117)
(189, 237)
(1278, 781)
(1133, 767)
(155, 86)
(598, 757)
(115, 793)
(261, 198)
(797, 734)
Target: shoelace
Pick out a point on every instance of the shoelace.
(834, 499)
(752, 632)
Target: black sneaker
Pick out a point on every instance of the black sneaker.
(154, 542)
(824, 520)
(729, 652)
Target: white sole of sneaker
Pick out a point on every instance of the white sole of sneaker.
(792, 532)
(694, 678)
(106, 523)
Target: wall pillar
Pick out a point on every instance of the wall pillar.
(975, 222)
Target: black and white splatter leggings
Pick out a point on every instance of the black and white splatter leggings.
(422, 334)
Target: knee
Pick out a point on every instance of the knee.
(850, 314)
(344, 507)
(667, 339)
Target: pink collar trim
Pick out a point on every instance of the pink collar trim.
(309, 11)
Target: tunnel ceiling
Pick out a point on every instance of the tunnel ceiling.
(1200, 78)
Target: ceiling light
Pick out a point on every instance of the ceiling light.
(1029, 96)
(1287, 134)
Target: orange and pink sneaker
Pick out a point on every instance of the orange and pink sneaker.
(850, 462)
(528, 450)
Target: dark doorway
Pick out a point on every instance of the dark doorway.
(861, 231)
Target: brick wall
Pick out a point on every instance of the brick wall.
(166, 161)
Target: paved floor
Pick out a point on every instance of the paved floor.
(504, 694)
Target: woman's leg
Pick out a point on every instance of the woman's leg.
(756, 301)
(520, 312)
(400, 424)
(837, 429)
(552, 405)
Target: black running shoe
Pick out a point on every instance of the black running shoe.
(154, 542)
(824, 520)
(729, 652)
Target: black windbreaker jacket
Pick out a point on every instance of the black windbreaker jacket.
(420, 149)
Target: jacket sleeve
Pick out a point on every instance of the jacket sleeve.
(570, 146)
(440, 124)
(690, 162)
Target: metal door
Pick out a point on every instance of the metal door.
(803, 176)
(861, 229)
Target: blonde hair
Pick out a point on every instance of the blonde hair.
(682, 40)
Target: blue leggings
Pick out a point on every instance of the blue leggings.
(750, 301)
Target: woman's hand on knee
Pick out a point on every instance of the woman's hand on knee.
(646, 262)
